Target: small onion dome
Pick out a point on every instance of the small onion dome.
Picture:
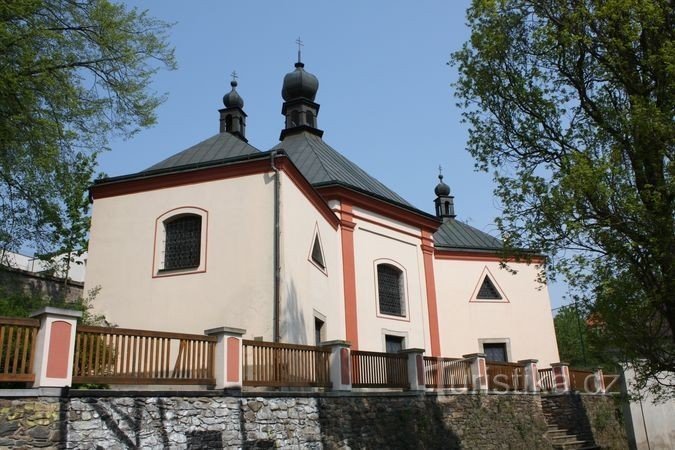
(442, 189)
(299, 84)
(232, 99)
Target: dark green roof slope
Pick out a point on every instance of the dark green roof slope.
(220, 146)
(455, 234)
(320, 164)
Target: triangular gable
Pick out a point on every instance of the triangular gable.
(316, 255)
(487, 290)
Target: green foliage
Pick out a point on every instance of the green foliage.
(72, 73)
(571, 104)
(577, 341)
(16, 303)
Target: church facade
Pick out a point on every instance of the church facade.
(298, 244)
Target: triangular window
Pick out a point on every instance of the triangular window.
(316, 254)
(488, 291)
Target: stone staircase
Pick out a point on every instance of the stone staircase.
(565, 431)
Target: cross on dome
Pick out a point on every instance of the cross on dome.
(300, 45)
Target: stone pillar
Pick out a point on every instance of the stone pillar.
(530, 374)
(340, 365)
(415, 368)
(55, 346)
(561, 377)
(478, 371)
(228, 358)
(599, 381)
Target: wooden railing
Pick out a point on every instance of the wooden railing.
(379, 370)
(546, 380)
(447, 372)
(124, 356)
(277, 365)
(17, 348)
(582, 380)
(612, 382)
(504, 376)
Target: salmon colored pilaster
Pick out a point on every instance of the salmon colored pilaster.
(344, 366)
(349, 274)
(233, 363)
(432, 307)
(59, 345)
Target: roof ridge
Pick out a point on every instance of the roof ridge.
(321, 163)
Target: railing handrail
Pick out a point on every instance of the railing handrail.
(275, 364)
(380, 354)
(252, 343)
(503, 363)
(127, 356)
(21, 321)
(442, 359)
(144, 333)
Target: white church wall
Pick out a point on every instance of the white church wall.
(307, 290)
(522, 320)
(233, 289)
(376, 240)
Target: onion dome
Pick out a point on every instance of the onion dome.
(232, 99)
(299, 84)
(441, 188)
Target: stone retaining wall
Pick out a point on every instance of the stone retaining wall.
(281, 420)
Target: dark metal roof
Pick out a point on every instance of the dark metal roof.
(458, 235)
(320, 164)
(220, 146)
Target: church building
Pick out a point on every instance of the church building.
(298, 244)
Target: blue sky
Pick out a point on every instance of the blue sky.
(385, 89)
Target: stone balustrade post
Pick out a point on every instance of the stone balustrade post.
(478, 371)
(530, 374)
(415, 368)
(561, 377)
(55, 346)
(228, 357)
(599, 381)
(340, 363)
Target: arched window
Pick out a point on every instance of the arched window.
(182, 244)
(295, 119)
(309, 118)
(228, 123)
(390, 290)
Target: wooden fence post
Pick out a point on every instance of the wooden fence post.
(561, 377)
(415, 368)
(228, 357)
(530, 374)
(478, 371)
(340, 365)
(55, 346)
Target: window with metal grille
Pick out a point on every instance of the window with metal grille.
(390, 290)
(182, 246)
(488, 291)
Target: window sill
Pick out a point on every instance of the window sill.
(162, 273)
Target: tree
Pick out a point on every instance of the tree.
(72, 74)
(577, 340)
(571, 103)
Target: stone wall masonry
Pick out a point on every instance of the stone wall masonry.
(232, 420)
(29, 423)
(433, 421)
(154, 422)
(600, 414)
(606, 418)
